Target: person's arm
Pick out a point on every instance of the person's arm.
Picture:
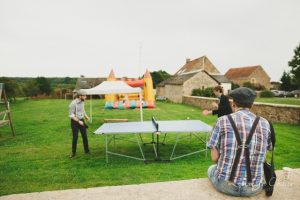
(213, 142)
(224, 106)
(214, 155)
(86, 116)
(215, 111)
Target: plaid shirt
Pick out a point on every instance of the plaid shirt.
(223, 139)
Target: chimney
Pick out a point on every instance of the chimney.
(187, 60)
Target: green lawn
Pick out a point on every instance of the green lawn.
(37, 158)
(280, 100)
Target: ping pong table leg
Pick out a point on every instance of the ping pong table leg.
(157, 147)
(141, 139)
(206, 145)
(163, 142)
(153, 138)
(137, 139)
(114, 138)
(154, 148)
(171, 157)
(106, 149)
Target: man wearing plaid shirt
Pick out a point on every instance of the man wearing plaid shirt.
(224, 146)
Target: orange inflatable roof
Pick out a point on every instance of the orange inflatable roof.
(135, 83)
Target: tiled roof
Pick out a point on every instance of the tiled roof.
(195, 65)
(191, 68)
(220, 78)
(177, 80)
(240, 72)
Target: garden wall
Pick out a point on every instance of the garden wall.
(273, 112)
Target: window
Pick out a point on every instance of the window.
(253, 80)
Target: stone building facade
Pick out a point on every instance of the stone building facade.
(198, 73)
(254, 74)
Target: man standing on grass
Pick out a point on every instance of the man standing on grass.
(77, 115)
(223, 108)
(239, 168)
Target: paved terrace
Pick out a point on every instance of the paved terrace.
(286, 188)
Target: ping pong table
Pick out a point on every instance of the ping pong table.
(155, 128)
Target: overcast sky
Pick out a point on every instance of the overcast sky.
(58, 38)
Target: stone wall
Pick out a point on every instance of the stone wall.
(160, 91)
(273, 112)
(200, 80)
(173, 93)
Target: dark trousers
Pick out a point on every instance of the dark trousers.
(75, 128)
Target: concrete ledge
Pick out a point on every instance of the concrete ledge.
(285, 188)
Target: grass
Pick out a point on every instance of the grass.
(280, 100)
(37, 158)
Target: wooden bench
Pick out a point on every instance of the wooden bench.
(114, 120)
(4, 122)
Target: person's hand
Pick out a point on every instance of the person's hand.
(80, 123)
(205, 112)
(87, 118)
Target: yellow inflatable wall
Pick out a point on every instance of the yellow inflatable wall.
(111, 97)
(147, 90)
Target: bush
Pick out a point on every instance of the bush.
(207, 92)
(267, 94)
(197, 92)
(234, 86)
(254, 86)
(249, 85)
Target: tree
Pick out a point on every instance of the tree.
(43, 85)
(286, 82)
(31, 89)
(295, 65)
(11, 87)
(159, 76)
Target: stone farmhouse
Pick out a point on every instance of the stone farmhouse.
(194, 74)
(253, 74)
(86, 83)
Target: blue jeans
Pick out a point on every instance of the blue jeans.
(230, 188)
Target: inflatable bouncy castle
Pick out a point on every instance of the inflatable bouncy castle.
(132, 100)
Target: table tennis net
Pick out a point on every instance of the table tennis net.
(155, 124)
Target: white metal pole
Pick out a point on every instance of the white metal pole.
(141, 107)
(91, 109)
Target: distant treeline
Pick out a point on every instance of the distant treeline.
(38, 87)
(57, 87)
